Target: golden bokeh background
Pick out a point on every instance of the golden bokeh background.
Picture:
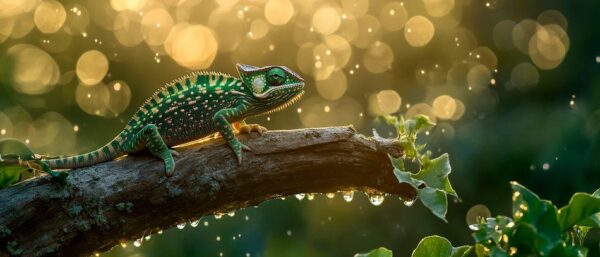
(72, 72)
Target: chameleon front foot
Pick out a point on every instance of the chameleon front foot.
(249, 128)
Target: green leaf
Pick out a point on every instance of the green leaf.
(379, 252)
(439, 247)
(431, 181)
(435, 174)
(583, 209)
(492, 230)
(10, 174)
(15, 147)
(419, 123)
(537, 221)
(435, 200)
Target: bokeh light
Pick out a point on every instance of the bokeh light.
(524, 76)
(156, 25)
(393, 16)
(378, 58)
(279, 12)
(502, 34)
(91, 68)
(333, 87)
(119, 97)
(93, 100)
(35, 71)
(388, 101)
(444, 107)
(438, 8)
(128, 28)
(326, 20)
(49, 16)
(418, 31)
(192, 46)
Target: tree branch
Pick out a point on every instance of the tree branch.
(125, 199)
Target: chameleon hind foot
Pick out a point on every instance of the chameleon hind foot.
(150, 137)
(244, 127)
(238, 148)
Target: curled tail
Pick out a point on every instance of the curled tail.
(108, 152)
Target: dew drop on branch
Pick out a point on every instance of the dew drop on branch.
(348, 196)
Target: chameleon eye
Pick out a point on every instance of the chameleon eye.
(276, 77)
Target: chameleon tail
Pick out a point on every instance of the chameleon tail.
(106, 153)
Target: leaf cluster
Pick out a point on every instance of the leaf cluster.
(430, 180)
(17, 160)
(536, 228)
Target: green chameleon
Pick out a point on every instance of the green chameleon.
(195, 106)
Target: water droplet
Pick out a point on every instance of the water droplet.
(348, 196)
(123, 244)
(330, 195)
(181, 225)
(289, 232)
(231, 213)
(147, 237)
(246, 217)
(218, 238)
(409, 203)
(474, 227)
(159, 232)
(137, 242)
(300, 196)
(310, 196)
(195, 223)
(218, 215)
(376, 199)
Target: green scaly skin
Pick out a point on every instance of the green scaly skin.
(195, 106)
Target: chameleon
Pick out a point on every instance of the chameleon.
(194, 106)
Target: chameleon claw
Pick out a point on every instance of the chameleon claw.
(174, 153)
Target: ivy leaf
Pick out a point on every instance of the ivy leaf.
(435, 200)
(439, 247)
(597, 193)
(431, 182)
(10, 174)
(492, 230)
(418, 123)
(583, 209)
(379, 252)
(537, 221)
(435, 174)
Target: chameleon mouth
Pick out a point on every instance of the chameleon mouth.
(288, 102)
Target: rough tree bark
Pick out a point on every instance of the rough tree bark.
(127, 198)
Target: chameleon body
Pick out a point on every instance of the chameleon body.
(195, 106)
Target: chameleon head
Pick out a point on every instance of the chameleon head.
(278, 86)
